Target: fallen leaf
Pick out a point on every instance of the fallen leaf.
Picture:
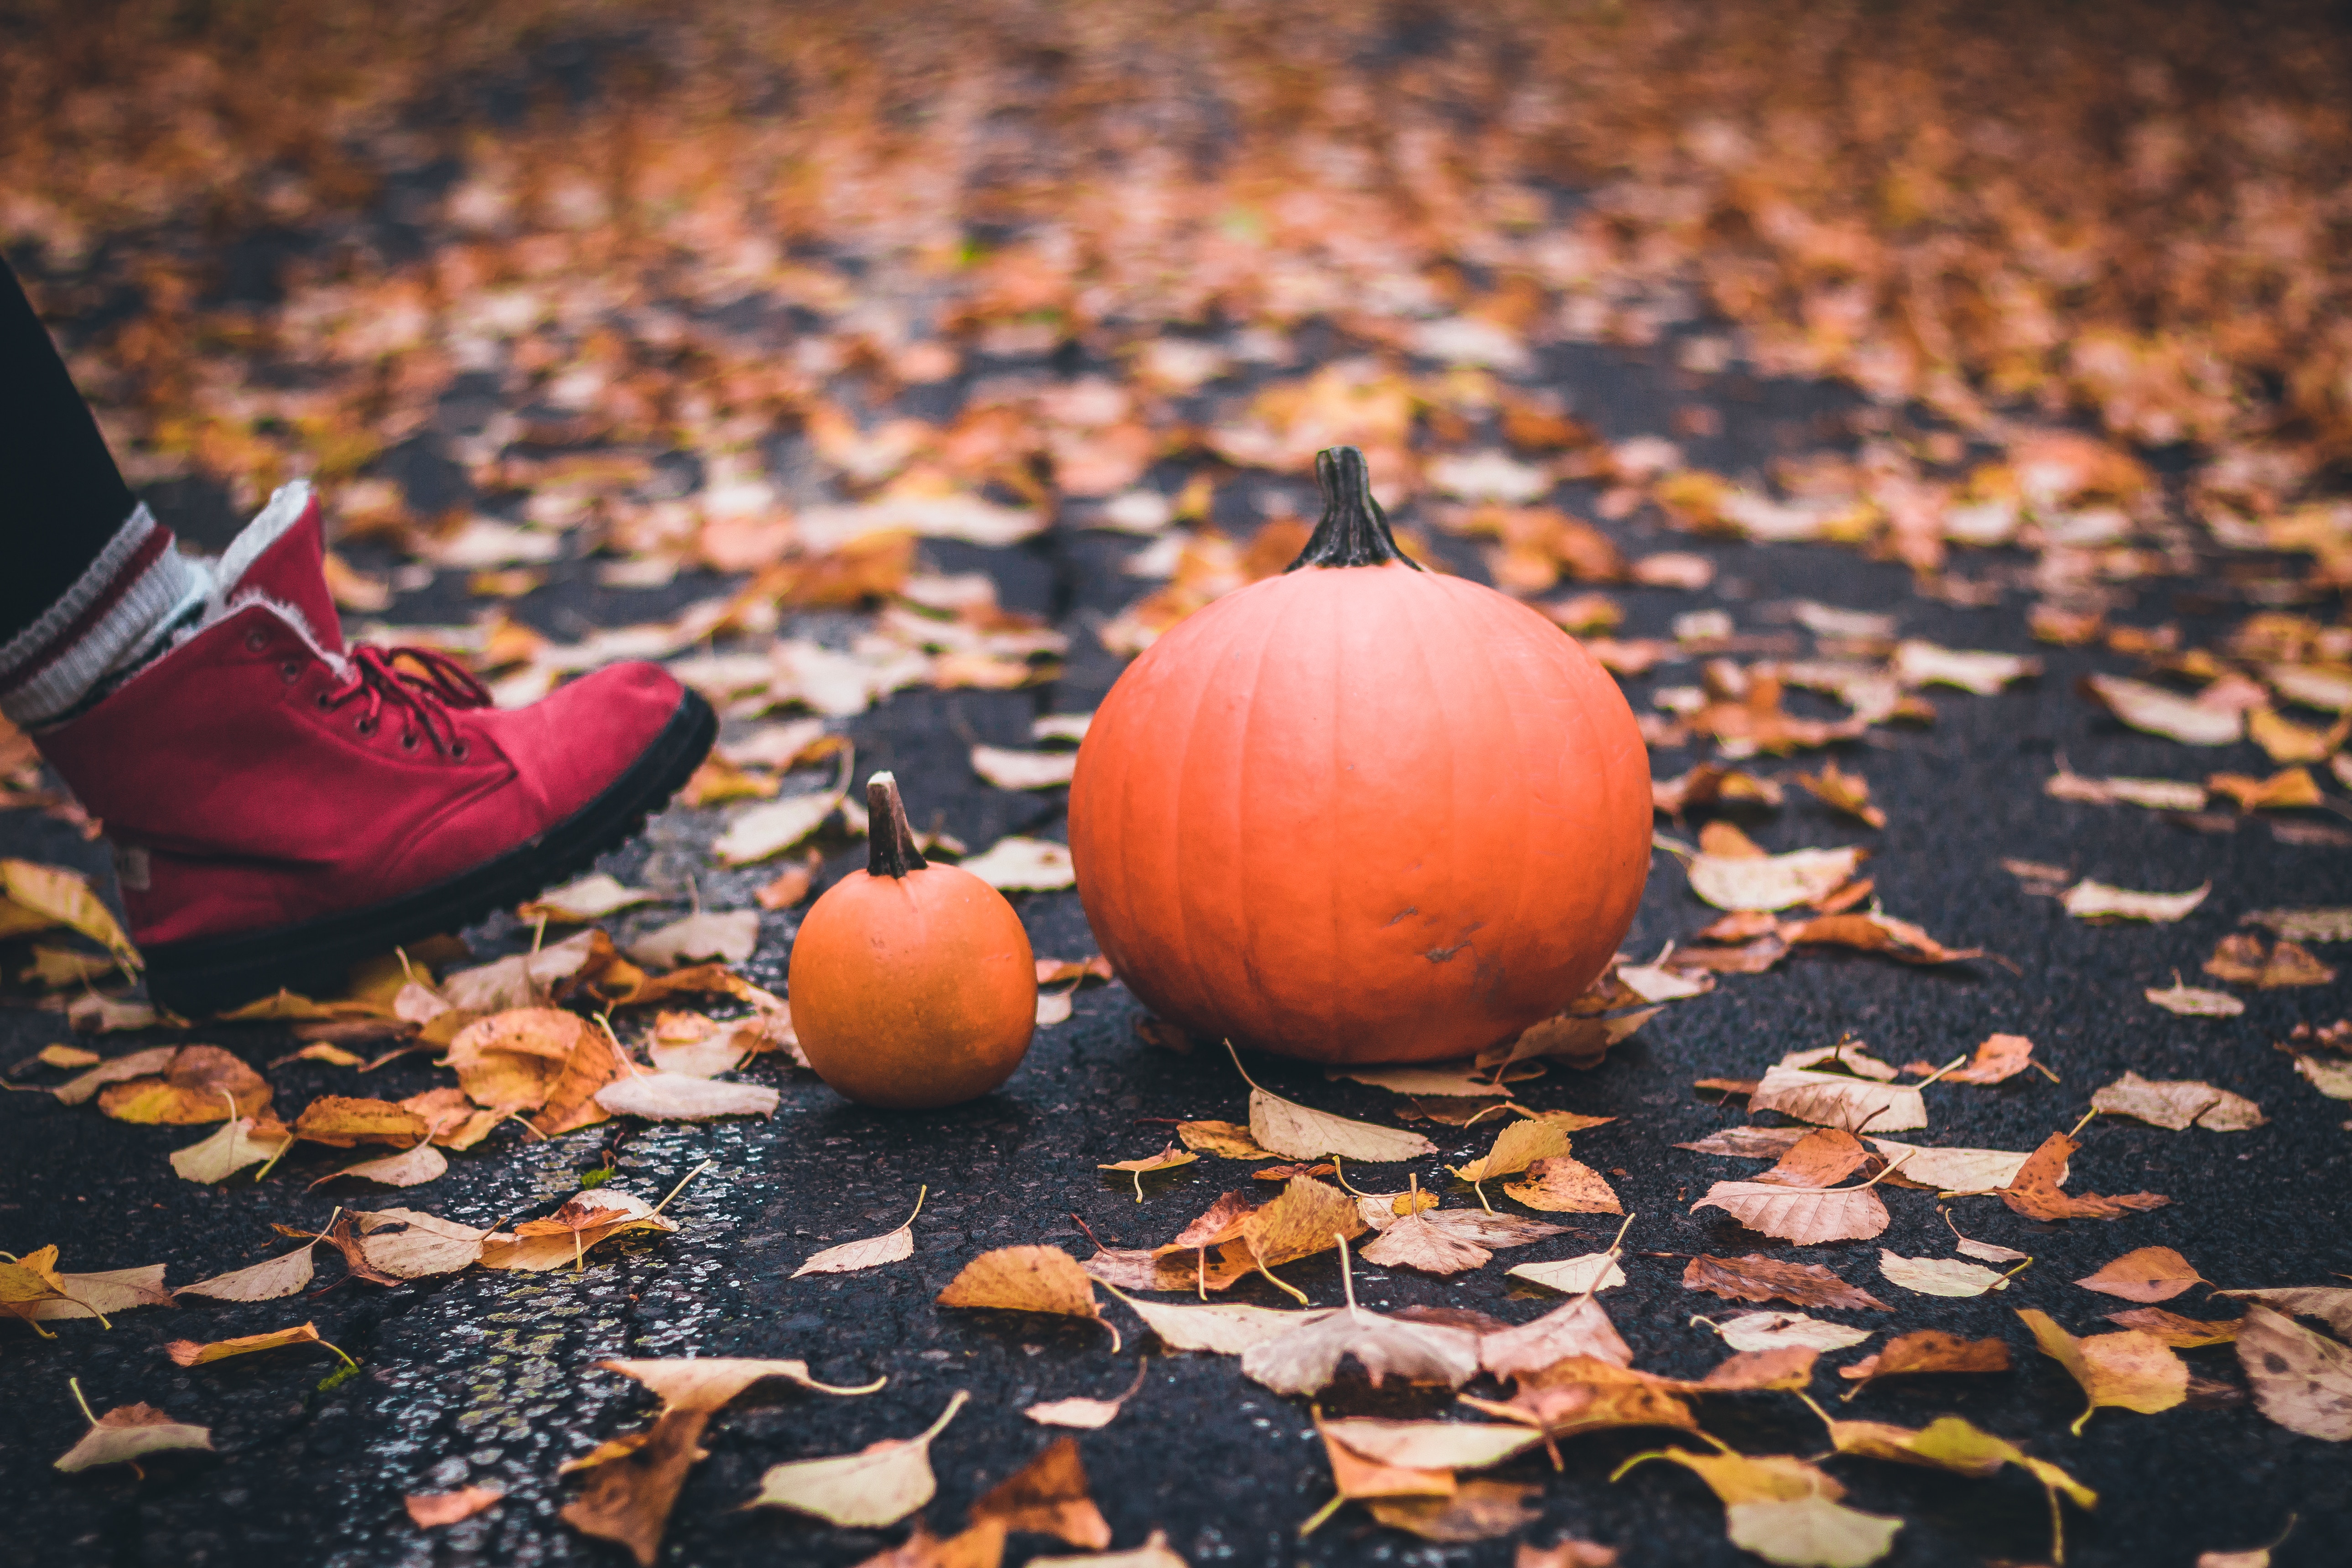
(2321, 925)
(1084, 1414)
(1920, 663)
(2089, 900)
(1476, 1510)
(2301, 1379)
(1153, 1554)
(871, 1489)
(1758, 1278)
(707, 1384)
(1565, 1554)
(2191, 1002)
(344, 1122)
(872, 1252)
(2330, 1304)
(265, 1281)
(431, 1510)
(409, 1168)
(199, 1084)
(2174, 1105)
(628, 1501)
(2182, 1334)
(1297, 1132)
(1804, 1216)
(1833, 1099)
(1772, 881)
(1517, 1145)
(1562, 1185)
(2158, 711)
(1821, 1158)
(245, 1140)
(675, 1097)
(766, 831)
(101, 1294)
(1581, 1042)
(565, 1237)
(1952, 1170)
(1999, 1059)
(1810, 1533)
(2330, 1078)
(408, 1245)
(1048, 1495)
(1427, 1446)
(1226, 1140)
(1450, 1241)
(1574, 1276)
(188, 1352)
(1167, 1158)
(1876, 932)
(1927, 1351)
(2149, 1274)
(1027, 1280)
(1008, 769)
(730, 936)
(1783, 1330)
(1940, 1276)
(1456, 1080)
(1023, 865)
(2290, 789)
(2033, 1191)
(2132, 1371)
(2241, 958)
(34, 897)
(1577, 1328)
(1217, 1328)
(129, 1432)
(1750, 1142)
(512, 1059)
(1849, 792)
(591, 897)
(66, 1057)
(1306, 1359)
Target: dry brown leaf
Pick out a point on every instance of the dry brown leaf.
(1561, 1185)
(1750, 1142)
(1771, 881)
(678, 1097)
(34, 897)
(1821, 1158)
(1769, 1333)
(1999, 1059)
(2330, 1304)
(2033, 1191)
(1308, 1358)
(431, 1510)
(2131, 1370)
(1581, 1042)
(1927, 1351)
(1849, 792)
(1517, 1145)
(1048, 1495)
(1445, 1241)
(1297, 1132)
(1565, 1554)
(1574, 1276)
(188, 1352)
(2174, 1105)
(2189, 1001)
(591, 898)
(199, 1084)
(2242, 960)
(1580, 1327)
(129, 1432)
(265, 1281)
(1833, 1099)
(872, 1252)
(1219, 1328)
(1084, 1413)
(408, 1245)
(342, 1121)
(2182, 1334)
(1953, 1170)
(563, 1238)
(2301, 1379)
(1875, 933)
(1169, 1159)
(2089, 900)
(871, 1489)
(1226, 1140)
(982, 1546)
(2149, 1274)
(628, 1501)
(101, 1294)
(247, 1141)
(1758, 1278)
(453, 1121)
(1804, 1216)
(1940, 1276)
(2154, 710)
(1477, 1511)
(1027, 1280)
(511, 1059)
(706, 1384)
(2289, 789)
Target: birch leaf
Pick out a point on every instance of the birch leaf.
(137, 1064)
(1477, 1511)
(730, 936)
(188, 1352)
(245, 1140)
(1780, 1330)
(409, 1168)
(1927, 1351)
(2158, 711)
(2149, 1274)
(2131, 1370)
(1517, 1146)
(431, 1510)
(1308, 1358)
(101, 1294)
(1048, 1495)
(2089, 900)
(1430, 1444)
(1009, 769)
(2301, 1379)
(1574, 1276)
(1758, 1278)
(2330, 1304)
(628, 1498)
(565, 1237)
(1920, 663)
(131, 1432)
(1218, 1328)
(1027, 1280)
(1810, 1533)
(766, 831)
(2189, 1001)
(1088, 1414)
(2182, 1334)
(1833, 1099)
(1940, 1276)
(871, 1489)
(1023, 865)
(1804, 1216)
(1226, 1140)
(265, 1281)
(1297, 1133)
(706, 1384)
(2033, 1191)
(1562, 1185)
(591, 897)
(677, 1097)
(874, 1251)
(1577, 1328)
(1169, 1159)
(2175, 1104)
(1772, 881)
(1953, 1170)
(408, 1245)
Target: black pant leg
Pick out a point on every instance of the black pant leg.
(61, 496)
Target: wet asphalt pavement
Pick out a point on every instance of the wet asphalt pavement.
(490, 1378)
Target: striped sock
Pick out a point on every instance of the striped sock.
(119, 614)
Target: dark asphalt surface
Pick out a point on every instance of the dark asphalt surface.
(488, 1378)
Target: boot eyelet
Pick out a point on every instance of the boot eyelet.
(367, 726)
(324, 702)
(408, 742)
(458, 752)
(289, 672)
(256, 639)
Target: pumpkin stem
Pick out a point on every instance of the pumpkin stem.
(1353, 531)
(889, 843)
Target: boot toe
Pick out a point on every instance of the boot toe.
(576, 741)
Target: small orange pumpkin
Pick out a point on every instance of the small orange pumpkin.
(912, 985)
(1358, 812)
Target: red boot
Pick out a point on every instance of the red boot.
(283, 806)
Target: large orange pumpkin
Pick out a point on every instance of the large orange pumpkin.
(1358, 812)
(912, 985)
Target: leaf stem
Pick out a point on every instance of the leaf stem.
(688, 1177)
(1346, 1275)
(75, 1384)
(1941, 1072)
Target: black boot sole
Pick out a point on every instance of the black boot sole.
(210, 974)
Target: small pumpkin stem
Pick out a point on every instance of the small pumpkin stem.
(1353, 531)
(889, 842)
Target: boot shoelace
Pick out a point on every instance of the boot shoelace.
(425, 693)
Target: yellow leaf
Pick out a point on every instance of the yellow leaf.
(871, 1489)
(1027, 1280)
(2132, 1371)
(188, 1352)
(50, 896)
